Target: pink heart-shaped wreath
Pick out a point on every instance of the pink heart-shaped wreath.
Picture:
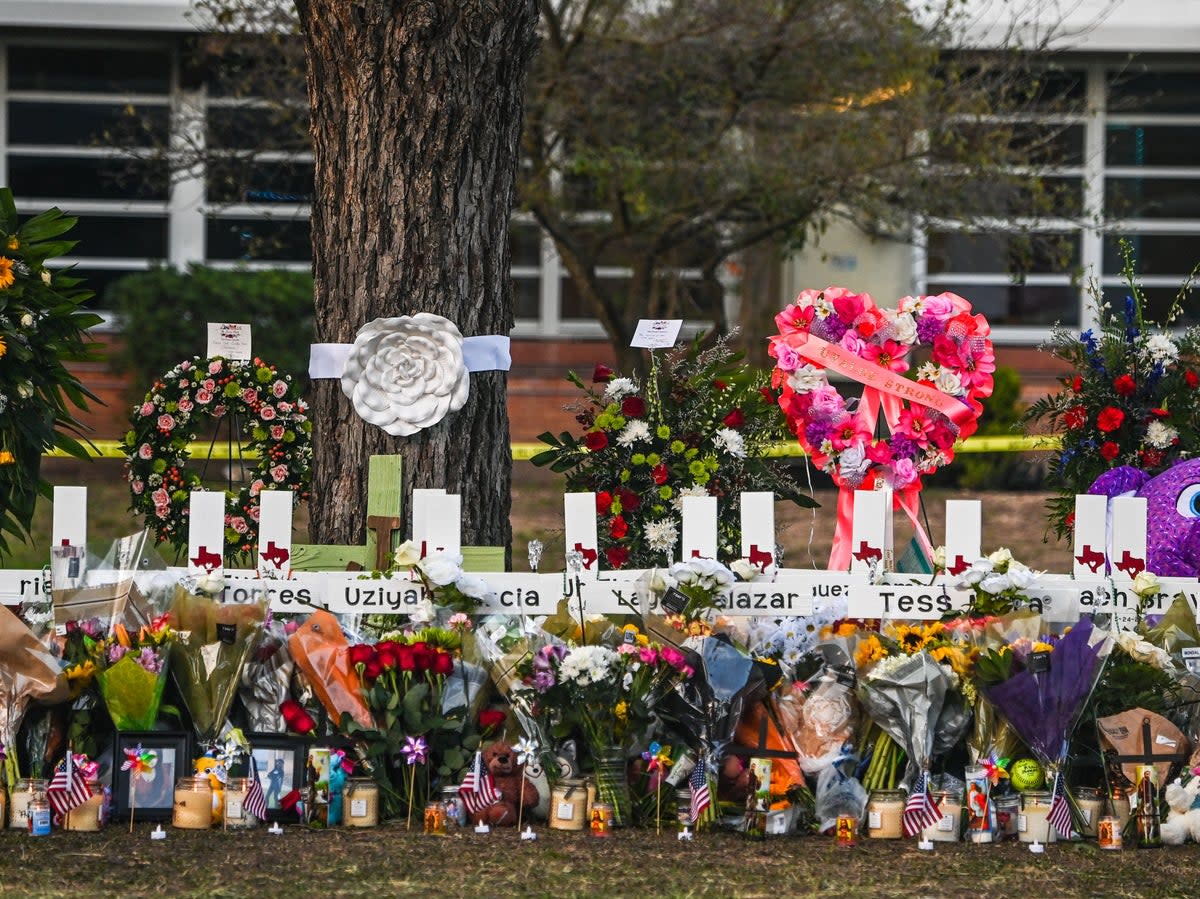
(837, 330)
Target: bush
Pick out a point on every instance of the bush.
(164, 313)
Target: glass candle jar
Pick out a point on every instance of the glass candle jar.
(193, 803)
(885, 814)
(435, 819)
(1121, 808)
(1033, 824)
(456, 811)
(1091, 807)
(948, 827)
(360, 806)
(237, 816)
(1008, 815)
(37, 813)
(569, 802)
(602, 819)
(23, 791)
(89, 814)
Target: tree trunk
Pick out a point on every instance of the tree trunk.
(416, 120)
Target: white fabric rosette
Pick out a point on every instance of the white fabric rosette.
(405, 374)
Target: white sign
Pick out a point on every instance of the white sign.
(579, 527)
(758, 530)
(206, 531)
(273, 557)
(229, 340)
(656, 333)
(964, 531)
(699, 527)
(69, 520)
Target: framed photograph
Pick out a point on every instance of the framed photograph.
(279, 763)
(152, 797)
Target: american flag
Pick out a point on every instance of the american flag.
(1060, 809)
(255, 802)
(698, 784)
(920, 811)
(68, 789)
(478, 790)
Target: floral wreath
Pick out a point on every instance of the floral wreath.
(837, 329)
(180, 405)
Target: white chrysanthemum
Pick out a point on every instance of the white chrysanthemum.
(806, 379)
(587, 665)
(927, 371)
(619, 388)
(1161, 349)
(731, 442)
(405, 374)
(661, 535)
(635, 431)
(948, 381)
(1159, 436)
(692, 490)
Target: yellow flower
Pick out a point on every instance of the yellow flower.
(6, 458)
(621, 709)
(846, 629)
(868, 651)
(6, 273)
(13, 243)
(910, 639)
(1039, 646)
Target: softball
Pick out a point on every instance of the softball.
(1026, 774)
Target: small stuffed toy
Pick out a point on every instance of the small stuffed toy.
(340, 769)
(1183, 819)
(1172, 513)
(500, 762)
(214, 769)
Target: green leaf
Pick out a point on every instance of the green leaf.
(50, 223)
(8, 211)
(544, 458)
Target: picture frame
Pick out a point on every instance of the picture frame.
(279, 760)
(151, 798)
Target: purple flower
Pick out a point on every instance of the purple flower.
(903, 447)
(543, 680)
(115, 652)
(929, 327)
(816, 432)
(830, 328)
(149, 660)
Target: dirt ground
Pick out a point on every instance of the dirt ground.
(389, 861)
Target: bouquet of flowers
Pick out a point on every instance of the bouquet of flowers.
(609, 694)
(28, 672)
(441, 574)
(402, 679)
(131, 671)
(697, 426)
(999, 582)
(1134, 398)
(214, 640)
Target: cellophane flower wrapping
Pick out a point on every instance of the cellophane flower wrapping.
(265, 682)
(912, 698)
(132, 688)
(214, 640)
(322, 655)
(28, 672)
(1044, 705)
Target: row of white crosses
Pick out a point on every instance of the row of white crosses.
(1110, 535)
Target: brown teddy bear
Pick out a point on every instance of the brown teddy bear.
(501, 762)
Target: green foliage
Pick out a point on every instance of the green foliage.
(165, 311)
(1002, 413)
(41, 328)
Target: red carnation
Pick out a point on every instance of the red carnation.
(490, 719)
(768, 395)
(660, 473)
(629, 499)
(1161, 413)
(602, 374)
(1075, 418)
(361, 653)
(1150, 458)
(603, 502)
(296, 718)
(618, 528)
(1077, 383)
(595, 440)
(617, 556)
(1109, 450)
(1109, 419)
(1125, 385)
(443, 662)
(734, 419)
(1193, 381)
(633, 407)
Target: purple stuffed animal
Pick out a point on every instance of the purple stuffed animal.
(1172, 513)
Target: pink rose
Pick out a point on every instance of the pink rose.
(214, 368)
(673, 657)
(787, 358)
(277, 432)
(254, 512)
(284, 408)
(827, 402)
(209, 384)
(218, 411)
(145, 452)
(203, 397)
(279, 473)
(161, 511)
(185, 366)
(249, 396)
(138, 486)
(183, 384)
(160, 497)
(239, 525)
(941, 306)
(185, 405)
(901, 473)
(165, 422)
(146, 409)
(267, 413)
(648, 655)
(256, 487)
(279, 389)
(852, 343)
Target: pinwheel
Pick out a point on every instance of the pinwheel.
(658, 758)
(526, 751)
(415, 751)
(139, 762)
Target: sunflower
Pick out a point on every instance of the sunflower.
(868, 651)
(7, 458)
(910, 639)
(7, 277)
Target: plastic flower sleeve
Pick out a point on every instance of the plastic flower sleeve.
(214, 640)
(321, 653)
(266, 677)
(28, 671)
(132, 692)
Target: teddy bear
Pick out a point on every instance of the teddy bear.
(500, 760)
(1183, 819)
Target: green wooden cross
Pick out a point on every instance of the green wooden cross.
(383, 531)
